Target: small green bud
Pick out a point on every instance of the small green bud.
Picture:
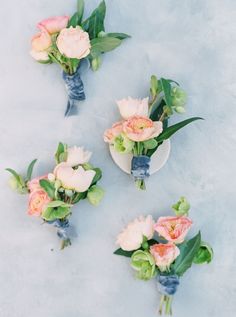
(180, 110)
(96, 63)
(102, 34)
(181, 208)
(179, 98)
(154, 85)
(95, 195)
(69, 192)
(144, 263)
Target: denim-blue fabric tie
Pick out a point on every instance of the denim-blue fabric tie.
(64, 229)
(75, 91)
(140, 167)
(167, 284)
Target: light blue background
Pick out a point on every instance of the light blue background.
(190, 41)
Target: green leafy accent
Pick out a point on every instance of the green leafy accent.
(30, 170)
(188, 250)
(204, 254)
(167, 133)
(103, 44)
(95, 23)
(48, 187)
(97, 176)
(76, 19)
(15, 174)
(166, 87)
(79, 196)
(150, 144)
(58, 203)
(60, 155)
(50, 213)
(122, 252)
(120, 36)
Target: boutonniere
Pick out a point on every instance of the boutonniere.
(139, 143)
(52, 196)
(166, 256)
(68, 41)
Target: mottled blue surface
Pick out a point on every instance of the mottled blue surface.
(191, 41)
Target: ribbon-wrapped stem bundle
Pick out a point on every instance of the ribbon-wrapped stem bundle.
(144, 125)
(52, 196)
(67, 41)
(159, 249)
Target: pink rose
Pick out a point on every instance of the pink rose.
(54, 24)
(140, 129)
(41, 41)
(115, 130)
(173, 229)
(34, 185)
(74, 42)
(133, 107)
(38, 200)
(164, 254)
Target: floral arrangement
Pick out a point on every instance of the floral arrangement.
(169, 255)
(67, 41)
(52, 196)
(144, 125)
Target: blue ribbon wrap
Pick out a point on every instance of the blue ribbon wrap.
(75, 91)
(64, 230)
(167, 284)
(140, 167)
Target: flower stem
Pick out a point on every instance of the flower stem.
(140, 184)
(65, 243)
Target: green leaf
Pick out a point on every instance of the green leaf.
(80, 10)
(204, 254)
(120, 36)
(154, 86)
(167, 133)
(97, 176)
(166, 87)
(30, 169)
(79, 196)
(103, 44)
(77, 17)
(122, 252)
(58, 203)
(48, 187)
(188, 250)
(59, 155)
(150, 144)
(95, 23)
(172, 81)
(50, 213)
(15, 174)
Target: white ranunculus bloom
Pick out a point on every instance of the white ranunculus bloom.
(131, 237)
(133, 107)
(78, 180)
(77, 155)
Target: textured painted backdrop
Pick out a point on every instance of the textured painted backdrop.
(191, 41)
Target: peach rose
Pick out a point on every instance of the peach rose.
(173, 229)
(41, 41)
(133, 107)
(140, 128)
(39, 56)
(34, 185)
(115, 130)
(78, 180)
(73, 42)
(54, 24)
(38, 200)
(164, 254)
